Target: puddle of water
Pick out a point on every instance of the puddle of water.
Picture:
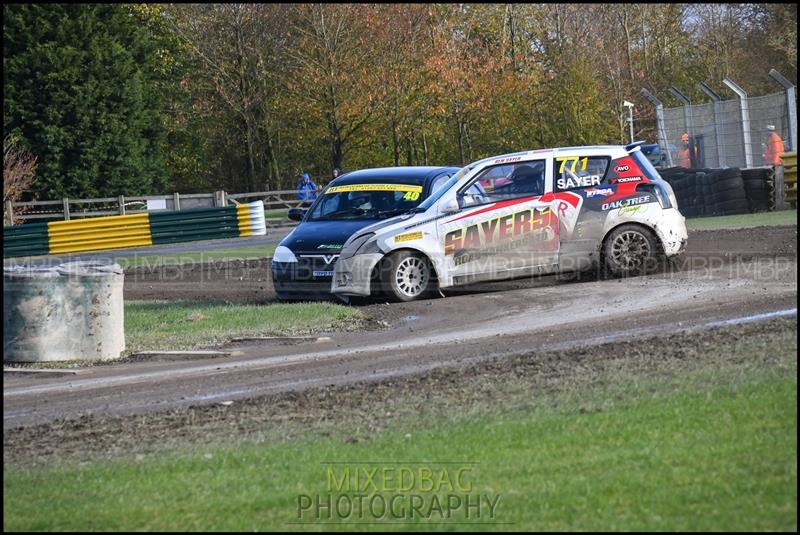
(756, 317)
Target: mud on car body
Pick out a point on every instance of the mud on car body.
(302, 265)
(529, 213)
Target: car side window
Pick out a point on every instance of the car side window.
(502, 182)
(575, 172)
(438, 181)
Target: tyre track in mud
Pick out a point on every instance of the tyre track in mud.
(740, 274)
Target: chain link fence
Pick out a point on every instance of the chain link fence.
(722, 134)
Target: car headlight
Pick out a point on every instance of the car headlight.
(369, 247)
(283, 254)
(353, 246)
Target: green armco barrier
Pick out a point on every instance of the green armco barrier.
(195, 237)
(194, 213)
(25, 240)
(34, 239)
(199, 224)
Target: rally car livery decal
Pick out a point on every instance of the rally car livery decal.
(412, 193)
(409, 236)
(503, 228)
(374, 187)
(495, 206)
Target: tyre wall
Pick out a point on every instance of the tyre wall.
(712, 192)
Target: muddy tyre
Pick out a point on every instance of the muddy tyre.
(407, 276)
(630, 250)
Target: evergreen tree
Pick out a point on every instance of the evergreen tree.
(79, 92)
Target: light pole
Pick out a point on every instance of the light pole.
(629, 105)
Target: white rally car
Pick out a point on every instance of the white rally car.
(528, 213)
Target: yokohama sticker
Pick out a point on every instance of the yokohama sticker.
(630, 179)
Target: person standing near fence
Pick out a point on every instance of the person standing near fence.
(774, 147)
(685, 152)
(306, 190)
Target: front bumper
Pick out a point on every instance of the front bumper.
(352, 276)
(293, 280)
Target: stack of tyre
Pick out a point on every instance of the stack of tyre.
(708, 192)
(758, 184)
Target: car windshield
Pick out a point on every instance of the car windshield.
(365, 201)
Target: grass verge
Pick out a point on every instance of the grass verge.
(783, 217)
(188, 325)
(684, 433)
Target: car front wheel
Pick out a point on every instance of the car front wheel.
(407, 276)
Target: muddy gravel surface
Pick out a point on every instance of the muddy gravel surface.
(355, 412)
(726, 277)
(250, 281)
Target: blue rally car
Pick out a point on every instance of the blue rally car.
(302, 266)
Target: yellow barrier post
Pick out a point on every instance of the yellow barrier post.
(789, 174)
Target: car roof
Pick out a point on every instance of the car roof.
(392, 175)
(583, 150)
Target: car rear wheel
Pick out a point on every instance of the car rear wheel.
(630, 250)
(407, 276)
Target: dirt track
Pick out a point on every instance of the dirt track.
(725, 275)
(250, 281)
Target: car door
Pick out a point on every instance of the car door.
(503, 228)
(581, 189)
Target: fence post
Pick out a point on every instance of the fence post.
(687, 110)
(66, 209)
(176, 201)
(121, 201)
(780, 188)
(717, 125)
(791, 104)
(9, 213)
(688, 121)
(662, 134)
(745, 111)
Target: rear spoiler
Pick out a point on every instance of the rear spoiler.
(630, 148)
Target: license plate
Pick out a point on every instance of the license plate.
(323, 273)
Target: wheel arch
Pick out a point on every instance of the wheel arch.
(638, 224)
(376, 269)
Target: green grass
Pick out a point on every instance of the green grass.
(274, 214)
(703, 449)
(187, 325)
(783, 217)
(152, 260)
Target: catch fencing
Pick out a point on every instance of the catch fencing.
(726, 133)
(276, 204)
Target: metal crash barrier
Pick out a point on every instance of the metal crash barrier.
(138, 230)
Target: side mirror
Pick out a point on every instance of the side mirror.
(296, 214)
(449, 206)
